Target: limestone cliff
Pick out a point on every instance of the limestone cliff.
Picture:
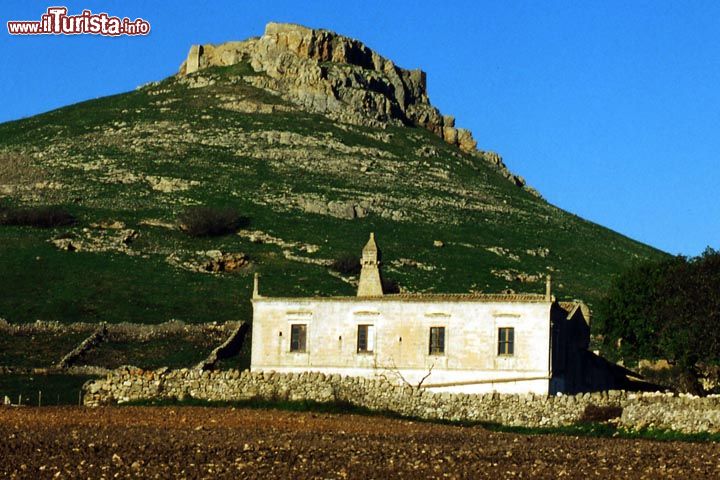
(339, 77)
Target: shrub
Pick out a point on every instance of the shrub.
(346, 264)
(390, 285)
(211, 221)
(41, 217)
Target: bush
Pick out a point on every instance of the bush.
(346, 264)
(211, 221)
(390, 285)
(41, 217)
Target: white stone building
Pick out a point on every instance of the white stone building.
(473, 343)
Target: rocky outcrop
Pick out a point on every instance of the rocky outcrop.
(337, 76)
(99, 239)
(210, 261)
(496, 160)
(322, 72)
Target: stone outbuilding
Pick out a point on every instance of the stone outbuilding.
(470, 343)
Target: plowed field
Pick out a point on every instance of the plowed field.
(189, 442)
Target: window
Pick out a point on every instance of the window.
(298, 335)
(366, 338)
(437, 340)
(506, 341)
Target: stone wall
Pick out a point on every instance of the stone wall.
(639, 410)
(95, 339)
(125, 331)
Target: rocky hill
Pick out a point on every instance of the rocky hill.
(313, 137)
(322, 72)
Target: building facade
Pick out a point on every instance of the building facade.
(472, 343)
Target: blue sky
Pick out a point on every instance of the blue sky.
(611, 109)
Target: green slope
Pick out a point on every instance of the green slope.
(112, 159)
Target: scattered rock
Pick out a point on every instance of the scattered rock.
(169, 185)
(503, 252)
(309, 248)
(340, 209)
(156, 222)
(210, 261)
(313, 261)
(109, 225)
(197, 81)
(258, 236)
(97, 240)
(516, 276)
(407, 262)
(542, 252)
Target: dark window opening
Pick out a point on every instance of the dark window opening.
(298, 336)
(365, 338)
(506, 341)
(437, 340)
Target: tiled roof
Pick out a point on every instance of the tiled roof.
(568, 306)
(428, 297)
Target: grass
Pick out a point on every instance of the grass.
(585, 429)
(173, 351)
(197, 139)
(49, 284)
(604, 430)
(347, 264)
(37, 350)
(56, 389)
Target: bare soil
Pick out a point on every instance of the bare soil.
(189, 442)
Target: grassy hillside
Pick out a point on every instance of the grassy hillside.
(211, 138)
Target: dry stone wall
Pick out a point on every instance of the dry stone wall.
(96, 338)
(125, 331)
(665, 411)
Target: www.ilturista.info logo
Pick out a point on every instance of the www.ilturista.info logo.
(57, 22)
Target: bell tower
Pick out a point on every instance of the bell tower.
(370, 284)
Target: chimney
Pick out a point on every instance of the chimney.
(370, 284)
(548, 288)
